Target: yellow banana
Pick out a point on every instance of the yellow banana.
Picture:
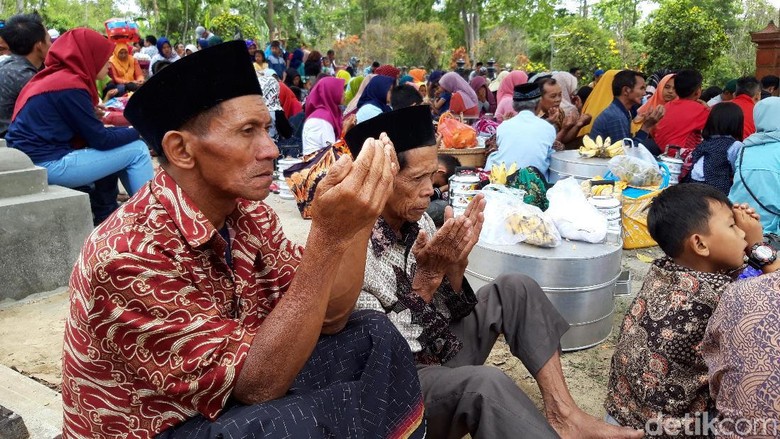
(588, 143)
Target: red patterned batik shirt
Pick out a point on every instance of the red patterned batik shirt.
(159, 325)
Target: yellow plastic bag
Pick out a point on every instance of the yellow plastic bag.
(635, 233)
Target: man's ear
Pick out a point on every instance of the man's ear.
(177, 147)
(698, 245)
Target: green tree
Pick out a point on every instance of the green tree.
(585, 44)
(420, 44)
(681, 35)
(227, 26)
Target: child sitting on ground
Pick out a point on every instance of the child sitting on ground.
(658, 373)
(441, 188)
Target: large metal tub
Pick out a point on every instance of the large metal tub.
(569, 163)
(579, 279)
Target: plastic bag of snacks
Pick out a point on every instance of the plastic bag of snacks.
(456, 134)
(508, 220)
(575, 218)
(635, 171)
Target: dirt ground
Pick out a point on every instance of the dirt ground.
(31, 334)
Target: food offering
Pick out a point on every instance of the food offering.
(602, 148)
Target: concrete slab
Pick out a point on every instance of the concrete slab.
(39, 406)
(41, 236)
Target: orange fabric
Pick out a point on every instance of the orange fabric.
(417, 74)
(125, 71)
(747, 104)
(457, 106)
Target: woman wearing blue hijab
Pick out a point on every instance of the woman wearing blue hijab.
(757, 173)
(375, 98)
(164, 53)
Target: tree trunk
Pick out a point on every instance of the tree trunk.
(270, 19)
(156, 7)
(186, 31)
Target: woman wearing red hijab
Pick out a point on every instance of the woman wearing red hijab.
(54, 119)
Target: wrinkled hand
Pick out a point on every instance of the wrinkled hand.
(568, 121)
(754, 231)
(353, 194)
(652, 118)
(437, 254)
(552, 114)
(348, 124)
(584, 119)
(476, 216)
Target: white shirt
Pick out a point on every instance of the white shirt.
(317, 134)
(716, 100)
(526, 140)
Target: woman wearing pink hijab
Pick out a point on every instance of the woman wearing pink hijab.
(504, 109)
(485, 99)
(323, 115)
(464, 99)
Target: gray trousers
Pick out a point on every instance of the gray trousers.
(465, 396)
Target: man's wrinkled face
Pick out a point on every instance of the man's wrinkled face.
(235, 158)
(413, 185)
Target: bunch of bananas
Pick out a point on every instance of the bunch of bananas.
(600, 147)
(499, 173)
(534, 229)
(613, 190)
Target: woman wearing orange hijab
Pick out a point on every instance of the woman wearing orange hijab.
(664, 94)
(124, 70)
(418, 75)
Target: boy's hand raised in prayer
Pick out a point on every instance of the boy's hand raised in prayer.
(754, 231)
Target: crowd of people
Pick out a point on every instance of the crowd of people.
(191, 314)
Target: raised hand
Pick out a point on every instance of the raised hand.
(353, 194)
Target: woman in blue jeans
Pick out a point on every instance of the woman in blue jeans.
(54, 119)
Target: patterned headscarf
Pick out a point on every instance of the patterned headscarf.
(270, 87)
(388, 70)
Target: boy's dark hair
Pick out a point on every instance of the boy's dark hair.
(624, 78)
(297, 92)
(276, 43)
(151, 39)
(681, 211)
(450, 162)
(159, 65)
(330, 52)
(584, 92)
(686, 82)
(404, 96)
(770, 81)
(710, 93)
(573, 70)
(748, 85)
(375, 64)
(22, 32)
(725, 119)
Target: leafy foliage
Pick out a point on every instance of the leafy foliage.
(682, 35)
(420, 44)
(586, 45)
(229, 26)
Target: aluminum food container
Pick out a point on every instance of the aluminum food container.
(579, 279)
(569, 163)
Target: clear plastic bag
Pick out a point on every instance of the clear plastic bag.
(635, 171)
(509, 221)
(574, 217)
